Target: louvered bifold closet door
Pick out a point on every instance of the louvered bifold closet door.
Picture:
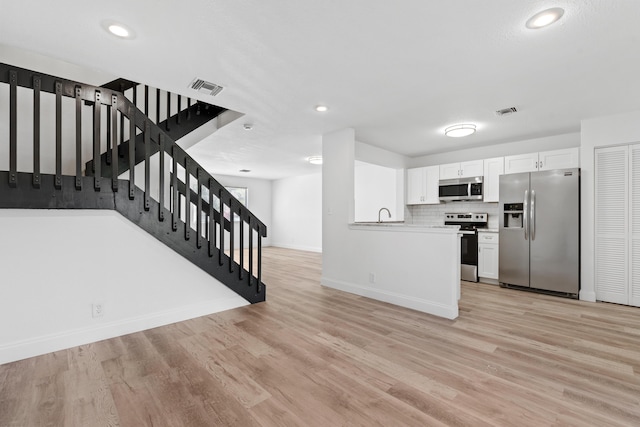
(634, 280)
(612, 224)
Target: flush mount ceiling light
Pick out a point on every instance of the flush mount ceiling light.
(544, 18)
(315, 160)
(321, 108)
(118, 29)
(457, 131)
(245, 170)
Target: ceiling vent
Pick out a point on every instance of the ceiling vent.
(206, 87)
(506, 111)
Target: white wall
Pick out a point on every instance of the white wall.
(377, 187)
(57, 263)
(297, 212)
(598, 132)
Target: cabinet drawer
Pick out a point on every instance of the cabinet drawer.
(488, 238)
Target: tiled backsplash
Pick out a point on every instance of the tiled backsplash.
(434, 214)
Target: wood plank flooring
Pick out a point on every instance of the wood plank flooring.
(313, 356)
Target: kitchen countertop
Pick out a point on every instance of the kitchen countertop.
(403, 227)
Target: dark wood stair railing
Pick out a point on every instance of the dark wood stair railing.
(210, 213)
(185, 121)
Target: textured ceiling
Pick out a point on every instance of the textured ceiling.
(397, 72)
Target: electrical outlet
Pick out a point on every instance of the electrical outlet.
(98, 309)
(372, 277)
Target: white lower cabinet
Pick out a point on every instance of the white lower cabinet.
(488, 257)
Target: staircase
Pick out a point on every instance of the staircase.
(152, 182)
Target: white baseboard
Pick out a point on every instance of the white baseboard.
(37, 346)
(430, 307)
(297, 247)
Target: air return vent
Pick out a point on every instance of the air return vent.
(506, 111)
(206, 87)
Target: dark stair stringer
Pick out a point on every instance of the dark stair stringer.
(68, 197)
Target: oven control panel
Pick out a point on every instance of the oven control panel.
(466, 217)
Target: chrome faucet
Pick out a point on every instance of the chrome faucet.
(380, 212)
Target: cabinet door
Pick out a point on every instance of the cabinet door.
(415, 186)
(488, 261)
(432, 176)
(493, 168)
(559, 159)
(450, 171)
(611, 224)
(471, 169)
(521, 163)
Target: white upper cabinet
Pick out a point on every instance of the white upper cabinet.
(559, 159)
(521, 163)
(422, 185)
(462, 170)
(493, 168)
(544, 160)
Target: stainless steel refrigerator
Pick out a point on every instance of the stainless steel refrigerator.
(540, 231)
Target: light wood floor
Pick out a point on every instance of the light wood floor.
(312, 356)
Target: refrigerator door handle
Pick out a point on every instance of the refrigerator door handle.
(533, 215)
(525, 215)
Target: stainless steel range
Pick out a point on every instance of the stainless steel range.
(469, 224)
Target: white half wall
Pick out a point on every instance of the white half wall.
(598, 132)
(411, 268)
(57, 263)
(297, 212)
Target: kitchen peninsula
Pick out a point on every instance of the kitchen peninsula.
(408, 265)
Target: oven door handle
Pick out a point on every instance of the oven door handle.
(466, 232)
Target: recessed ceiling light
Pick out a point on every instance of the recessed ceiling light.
(321, 108)
(315, 160)
(544, 18)
(247, 126)
(460, 130)
(118, 29)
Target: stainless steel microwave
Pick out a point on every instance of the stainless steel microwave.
(460, 189)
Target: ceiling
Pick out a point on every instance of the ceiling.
(397, 72)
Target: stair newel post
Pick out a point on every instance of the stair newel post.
(250, 250)
(132, 150)
(78, 93)
(147, 165)
(187, 199)
(212, 222)
(199, 211)
(58, 178)
(231, 235)
(241, 243)
(221, 240)
(161, 178)
(188, 108)
(36, 131)
(175, 210)
(96, 141)
(114, 142)
(259, 261)
(13, 128)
